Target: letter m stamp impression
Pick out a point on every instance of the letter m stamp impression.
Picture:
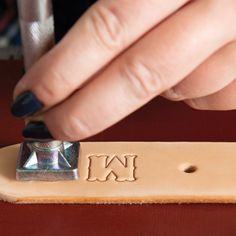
(112, 167)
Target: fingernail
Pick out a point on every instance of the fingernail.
(25, 105)
(36, 130)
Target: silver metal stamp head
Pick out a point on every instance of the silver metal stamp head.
(48, 161)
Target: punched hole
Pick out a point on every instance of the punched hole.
(187, 168)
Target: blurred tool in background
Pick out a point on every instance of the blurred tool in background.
(65, 12)
(9, 30)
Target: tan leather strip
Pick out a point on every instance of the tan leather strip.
(133, 173)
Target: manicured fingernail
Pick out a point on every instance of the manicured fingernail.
(25, 105)
(36, 130)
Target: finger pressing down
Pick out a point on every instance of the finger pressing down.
(165, 56)
(98, 37)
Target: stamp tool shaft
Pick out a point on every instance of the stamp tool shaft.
(42, 160)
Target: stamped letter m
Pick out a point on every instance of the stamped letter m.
(104, 167)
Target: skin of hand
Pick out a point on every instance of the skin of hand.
(123, 53)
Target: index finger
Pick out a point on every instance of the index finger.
(100, 35)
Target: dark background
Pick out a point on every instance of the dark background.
(67, 12)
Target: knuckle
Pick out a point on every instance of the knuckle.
(143, 80)
(106, 23)
(45, 92)
(51, 87)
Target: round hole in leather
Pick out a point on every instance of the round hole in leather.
(188, 168)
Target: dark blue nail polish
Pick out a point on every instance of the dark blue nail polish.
(37, 130)
(25, 105)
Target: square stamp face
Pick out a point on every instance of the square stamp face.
(39, 162)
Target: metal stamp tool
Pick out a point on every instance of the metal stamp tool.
(42, 160)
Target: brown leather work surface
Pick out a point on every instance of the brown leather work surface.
(158, 121)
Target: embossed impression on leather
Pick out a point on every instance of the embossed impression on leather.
(117, 168)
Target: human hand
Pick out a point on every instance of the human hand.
(123, 53)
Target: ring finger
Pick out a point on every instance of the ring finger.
(225, 99)
(213, 75)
